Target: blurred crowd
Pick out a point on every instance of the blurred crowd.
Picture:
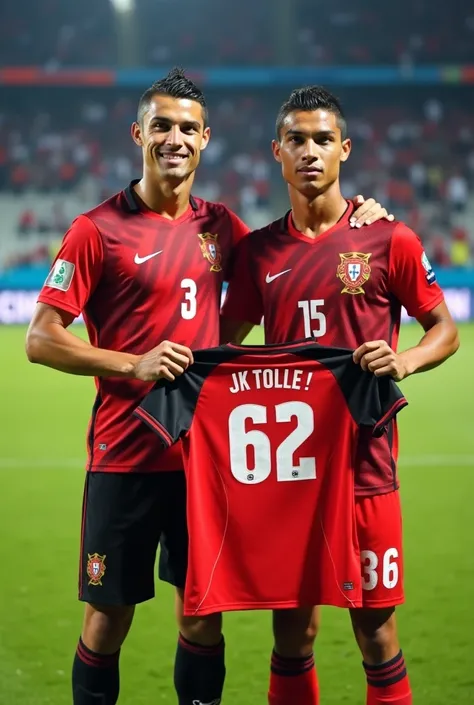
(406, 32)
(89, 33)
(413, 151)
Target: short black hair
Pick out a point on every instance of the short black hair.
(312, 98)
(176, 85)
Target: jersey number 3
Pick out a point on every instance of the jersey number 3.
(189, 305)
(242, 441)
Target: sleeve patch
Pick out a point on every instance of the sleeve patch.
(60, 276)
(430, 275)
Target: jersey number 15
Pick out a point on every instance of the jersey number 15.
(312, 316)
(241, 441)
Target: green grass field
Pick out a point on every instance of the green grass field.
(42, 440)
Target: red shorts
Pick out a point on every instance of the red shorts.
(379, 530)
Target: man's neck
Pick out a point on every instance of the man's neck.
(171, 200)
(313, 216)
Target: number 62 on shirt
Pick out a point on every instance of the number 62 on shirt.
(245, 443)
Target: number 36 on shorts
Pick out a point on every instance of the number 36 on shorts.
(378, 570)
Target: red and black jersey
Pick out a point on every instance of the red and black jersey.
(139, 278)
(269, 440)
(344, 287)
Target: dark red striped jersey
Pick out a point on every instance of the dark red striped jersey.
(269, 440)
(344, 288)
(140, 278)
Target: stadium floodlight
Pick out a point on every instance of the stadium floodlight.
(123, 6)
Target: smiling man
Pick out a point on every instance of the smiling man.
(145, 266)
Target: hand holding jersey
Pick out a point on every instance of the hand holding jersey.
(378, 357)
(167, 361)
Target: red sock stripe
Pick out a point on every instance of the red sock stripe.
(376, 677)
(201, 650)
(91, 658)
(394, 677)
(384, 667)
(291, 666)
(388, 673)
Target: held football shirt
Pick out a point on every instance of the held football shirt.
(269, 438)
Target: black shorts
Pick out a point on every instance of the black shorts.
(124, 518)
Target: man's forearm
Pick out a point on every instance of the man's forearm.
(54, 346)
(438, 343)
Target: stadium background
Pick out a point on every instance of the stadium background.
(70, 77)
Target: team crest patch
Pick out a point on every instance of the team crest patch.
(60, 277)
(353, 271)
(95, 568)
(211, 251)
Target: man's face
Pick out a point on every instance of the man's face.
(310, 150)
(172, 135)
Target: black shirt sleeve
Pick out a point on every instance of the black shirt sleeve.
(382, 403)
(169, 408)
(373, 401)
(162, 411)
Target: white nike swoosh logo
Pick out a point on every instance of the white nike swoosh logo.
(140, 260)
(269, 278)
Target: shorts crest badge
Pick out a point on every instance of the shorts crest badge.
(211, 250)
(353, 271)
(95, 568)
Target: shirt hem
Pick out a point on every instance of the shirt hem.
(373, 491)
(52, 301)
(128, 468)
(271, 605)
(392, 602)
(429, 306)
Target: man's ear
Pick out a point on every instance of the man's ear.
(136, 132)
(276, 150)
(346, 148)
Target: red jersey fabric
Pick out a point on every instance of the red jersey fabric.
(343, 288)
(269, 439)
(139, 278)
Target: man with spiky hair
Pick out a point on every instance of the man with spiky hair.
(146, 269)
(310, 275)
